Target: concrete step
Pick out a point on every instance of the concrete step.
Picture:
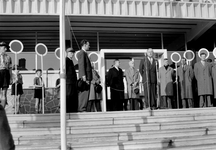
(97, 138)
(165, 143)
(116, 128)
(97, 115)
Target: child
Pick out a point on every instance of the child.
(38, 84)
(17, 82)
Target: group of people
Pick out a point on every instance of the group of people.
(159, 84)
(82, 94)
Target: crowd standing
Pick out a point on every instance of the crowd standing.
(84, 92)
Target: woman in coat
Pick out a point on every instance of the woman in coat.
(94, 103)
(214, 78)
(133, 78)
(203, 74)
(185, 74)
(166, 84)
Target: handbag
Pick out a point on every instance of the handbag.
(98, 88)
(136, 90)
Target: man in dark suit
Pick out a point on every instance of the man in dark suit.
(147, 69)
(115, 81)
(71, 83)
(85, 73)
(6, 139)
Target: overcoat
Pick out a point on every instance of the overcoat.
(132, 77)
(84, 63)
(166, 81)
(95, 80)
(214, 78)
(115, 82)
(203, 76)
(185, 81)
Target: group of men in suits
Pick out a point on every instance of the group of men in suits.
(160, 91)
(76, 100)
(204, 73)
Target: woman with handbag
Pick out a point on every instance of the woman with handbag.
(133, 78)
(95, 95)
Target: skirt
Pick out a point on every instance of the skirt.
(38, 93)
(19, 89)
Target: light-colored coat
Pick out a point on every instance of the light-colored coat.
(203, 76)
(214, 78)
(166, 81)
(96, 79)
(132, 77)
(185, 79)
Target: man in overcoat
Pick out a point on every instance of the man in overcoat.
(214, 79)
(185, 75)
(165, 78)
(203, 75)
(71, 83)
(116, 84)
(147, 69)
(132, 78)
(85, 73)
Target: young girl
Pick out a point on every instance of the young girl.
(38, 84)
(17, 82)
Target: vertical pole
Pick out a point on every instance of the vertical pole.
(42, 84)
(15, 97)
(36, 58)
(36, 62)
(62, 75)
(98, 44)
(177, 92)
(162, 42)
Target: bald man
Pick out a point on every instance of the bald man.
(148, 72)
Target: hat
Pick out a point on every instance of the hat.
(70, 50)
(4, 44)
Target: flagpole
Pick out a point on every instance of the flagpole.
(62, 75)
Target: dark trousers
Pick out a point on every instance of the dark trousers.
(117, 99)
(205, 101)
(187, 101)
(83, 100)
(166, 102)
(152, 94)
(134, 104)
(94, 105)
(71, 98)
(6, 139)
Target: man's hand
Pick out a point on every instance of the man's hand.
(84, 78)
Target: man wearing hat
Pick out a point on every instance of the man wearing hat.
(71, 83)
(5, 72)
(203, 74)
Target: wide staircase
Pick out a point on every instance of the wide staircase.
(183, 129)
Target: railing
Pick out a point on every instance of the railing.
(136, 8)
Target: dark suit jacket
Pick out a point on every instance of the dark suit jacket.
(71, 77)
(6, 139)
(115, 78)
(151, 70)
(85, 68)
